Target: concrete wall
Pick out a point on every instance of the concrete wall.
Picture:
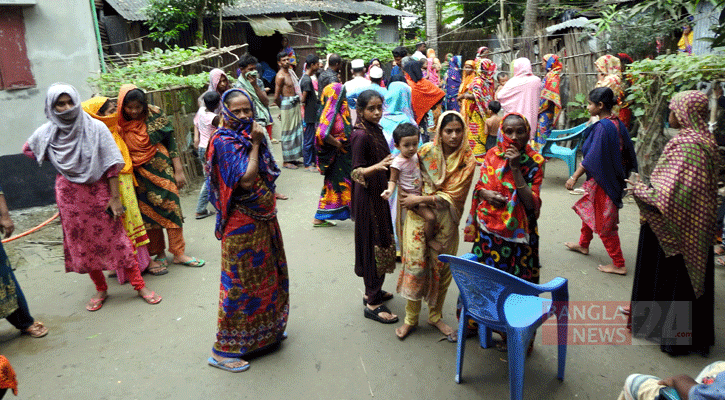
(61, 46)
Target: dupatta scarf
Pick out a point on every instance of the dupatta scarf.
(335, 122)
(397, 109)
(453, 83)
(227, 162)
(425, 94)
(135, 132)
(681, 203)
(521, 93)
(510, 222)
(111, 121)
(611, 67)
(551, 84)
(482, 85)
(79, 147)
(447, 177)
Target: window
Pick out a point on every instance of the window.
(15, 70)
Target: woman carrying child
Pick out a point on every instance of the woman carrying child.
(609, 158)
(334, 159)
(374, 243)
(447, 167)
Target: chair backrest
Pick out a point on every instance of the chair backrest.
(484, 289)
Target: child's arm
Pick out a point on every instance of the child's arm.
(394, 174)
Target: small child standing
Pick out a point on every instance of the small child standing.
(205, 125)
(493, 121)
(405, 173)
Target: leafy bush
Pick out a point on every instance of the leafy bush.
(358, 39)
(154, 70)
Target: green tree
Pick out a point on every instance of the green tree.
(168, 18)
(358, 39)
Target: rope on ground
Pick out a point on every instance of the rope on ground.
(26, 233)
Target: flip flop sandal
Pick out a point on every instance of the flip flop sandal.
(162, 260)
(223, 364)
(387, 296)
(205, 214)
(374, 315)
(150, 298)
(37, 330)
(95, 304)
(325, 224)
(280, 196)
(192, 263)
(158, 271)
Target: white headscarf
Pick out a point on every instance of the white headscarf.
(81, 148)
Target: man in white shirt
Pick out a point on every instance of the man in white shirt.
(358, 81)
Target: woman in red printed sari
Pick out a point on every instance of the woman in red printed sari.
(254, 290)
(481, 93)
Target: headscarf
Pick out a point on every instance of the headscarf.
(467, 77)
(433, 66)
(681, 203)
(79, 147)
(227, 161)
(134, 132)
(215, 76)
(611, 67)
(262, 112)
(511, 222)
(447, 177)
(397, 109)
(482, 85)
(335, 116)
(453, 83)
(370, 66)
(425, 94)
(521, 93)
(111, 121)
(552, 81)
(609, 156)
(482, 52)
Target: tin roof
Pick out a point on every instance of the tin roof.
(131, 10)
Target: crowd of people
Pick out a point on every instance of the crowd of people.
(398, 155)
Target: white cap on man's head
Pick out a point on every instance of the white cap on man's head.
(376, 72)
(357, 64)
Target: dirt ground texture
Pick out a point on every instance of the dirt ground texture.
(131, 350)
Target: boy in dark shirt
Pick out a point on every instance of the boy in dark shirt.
(309, 100)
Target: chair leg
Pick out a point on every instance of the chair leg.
(518, 343)
(571, 162)
(462, 328)
(484, 336)
(562, 336)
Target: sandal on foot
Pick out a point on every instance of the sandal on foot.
(324, 224)
(162, 260)
(150, 298)
(157, 271)
(375, 314)
(192, 263)
(387, 296)
(204, 214)
(223, 364)
(95, 304)
(280, 196)
(37, 330)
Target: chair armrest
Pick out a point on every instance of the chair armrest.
(552, 285)
(469, 257)
(565, 138)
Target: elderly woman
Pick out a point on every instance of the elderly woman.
(254, 291)
(675, 267)
(447, 166)
(88, 162)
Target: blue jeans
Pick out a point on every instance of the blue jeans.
(308, 144)
(20, 318)
(204, 192)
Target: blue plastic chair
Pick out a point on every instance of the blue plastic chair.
(498, 300)
(552, 149)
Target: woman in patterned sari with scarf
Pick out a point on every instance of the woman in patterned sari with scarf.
(334, 157)
(254, 291)
(675, 264)
(149, 136)
(467, 75)
(550, 103)
(453, 83)
(609, 74)
(481, 92)
(447, 167)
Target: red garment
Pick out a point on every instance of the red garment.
(425, 95)
(599, 215)
(611, 244)
(7, 376)
(132, 273)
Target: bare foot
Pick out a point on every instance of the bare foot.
(435, 245)
(444, 328)
(383, 315)
(575, 247)
(611, 269)
(404, 330)
(280, 196)
(236, 364)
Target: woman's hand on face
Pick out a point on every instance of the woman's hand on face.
(116, 207)
(493, 198)
(7, 226)
(513, 155)
(257, 134)
(180, 179)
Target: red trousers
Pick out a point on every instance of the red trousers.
(132, 274)
(610, 240)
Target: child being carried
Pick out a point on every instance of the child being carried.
(405, 173)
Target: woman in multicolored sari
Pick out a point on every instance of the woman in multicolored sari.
(481, 92)
(104, 110)
(609, 74)
(334, 157)
(675, 263)
(550, 103)
(254, 291)
(467, 76)
(447, 167)
(149, 136)
(453, 83)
